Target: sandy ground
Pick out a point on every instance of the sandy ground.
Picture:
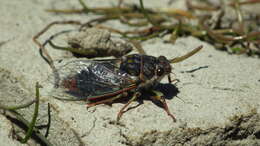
(227, 85)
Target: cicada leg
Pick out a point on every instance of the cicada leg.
(135, 96)
(161, 98)
(109, 100)
(174, 80)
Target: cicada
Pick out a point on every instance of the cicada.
(104, 81)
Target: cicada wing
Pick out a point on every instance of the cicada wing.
(64, 69)
(81, 79)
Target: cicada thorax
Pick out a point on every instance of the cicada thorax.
(132, 65)
(149, 66)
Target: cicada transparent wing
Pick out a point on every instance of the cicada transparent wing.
(86, 79)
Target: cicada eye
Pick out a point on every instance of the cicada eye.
(162, 58)
(160, 71)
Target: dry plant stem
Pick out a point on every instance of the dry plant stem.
(246, 2)
(181, 58)
(97, 20)
(136, 24)
(146, 33)
(35, 114)
(55, 35)
(223, 31)
(217, 36)
(130, 15)
(178, 12)
(99, 10)
(66, 11)
(241, 29)
(175, 32)
(200, 7)
(123, 11)
(67, 48)
(93, 10)
(44, 30)
(221, 38)
(144, 38)
(12, 108)
(152, 31)
(224, 39)
(253, 36)
(110, 29)
(146, 13)
(123, 17)
(45, 52)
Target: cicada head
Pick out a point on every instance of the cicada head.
(163, 66)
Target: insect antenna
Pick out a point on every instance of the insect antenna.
(181, 58)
